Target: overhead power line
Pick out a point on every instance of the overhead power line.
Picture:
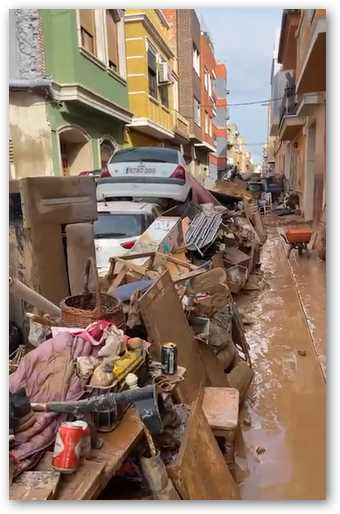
(264, 102)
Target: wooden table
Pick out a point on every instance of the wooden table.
(94, 473)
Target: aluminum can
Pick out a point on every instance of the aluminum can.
(86, 439)
(169, 358)
(67, 448)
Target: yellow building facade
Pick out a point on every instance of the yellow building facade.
(152, 82)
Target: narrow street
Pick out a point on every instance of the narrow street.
(283, 422)
(167, 237)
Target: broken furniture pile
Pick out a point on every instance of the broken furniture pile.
(178, 288)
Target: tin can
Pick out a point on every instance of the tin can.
(169, 358)
(86, 439)
(67, 448)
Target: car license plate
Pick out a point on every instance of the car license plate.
(140, 170)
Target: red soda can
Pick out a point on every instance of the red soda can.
(67, 448)
(86, 439)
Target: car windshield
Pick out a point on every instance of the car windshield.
(146, 155)
(118, 225)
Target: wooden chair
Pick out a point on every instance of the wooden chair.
(221, 408)
(265, 204)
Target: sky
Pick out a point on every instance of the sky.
(244, 40)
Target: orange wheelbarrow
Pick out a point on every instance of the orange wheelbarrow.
(297, 238)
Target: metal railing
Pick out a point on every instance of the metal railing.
(289, 102)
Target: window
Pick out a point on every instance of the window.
(209, 85)
(152, 73)
(112, 41)
(88, 30)
(117, 225)
(210, 127)
(206, 79)
(196, 60)
(164, 90)
(197, 112)
(164, 94)
(153, 154)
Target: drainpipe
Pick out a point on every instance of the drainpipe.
(19, 84)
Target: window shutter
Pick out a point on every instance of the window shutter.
(112, 39)
(87, 23)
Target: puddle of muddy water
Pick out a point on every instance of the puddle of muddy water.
(276, 453)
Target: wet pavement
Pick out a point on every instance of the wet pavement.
(283, 421)
(309, 275)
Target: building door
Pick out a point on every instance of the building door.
(308, 197)
(75, 151)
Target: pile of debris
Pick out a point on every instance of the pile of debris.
(177, 287)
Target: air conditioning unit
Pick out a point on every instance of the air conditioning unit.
(164, 73)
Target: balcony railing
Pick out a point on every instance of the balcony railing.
(289, 102)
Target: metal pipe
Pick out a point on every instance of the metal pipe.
(99, 403)
(30, 296)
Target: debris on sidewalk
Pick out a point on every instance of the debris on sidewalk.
(178, 285)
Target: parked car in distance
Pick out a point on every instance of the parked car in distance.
(153, 172)
(118, 226)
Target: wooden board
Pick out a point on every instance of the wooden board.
(238, 334)
(95, 473)
(80, 246)
(200, 471)
(220, 407)
(209, 279)
(189, 275)
(235, 256)
(165, 321)
(34, 486)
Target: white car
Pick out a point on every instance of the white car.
(152, 172)
(118, 226)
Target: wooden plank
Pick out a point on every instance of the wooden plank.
(165, 321)
(179, 262)
(238, 333)
(189, 275)
(136, 255)
(80, 246)
(79, 485)
(235, 256)
(117, 446)
(209, 279)
(83, 483)
(140, 270)
(96, 471)
(117, 281)
(35, 486)
(200, 471)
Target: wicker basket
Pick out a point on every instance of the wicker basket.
(83, 309)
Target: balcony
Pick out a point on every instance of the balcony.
(290, 127)
(307, 103)
(180, 126)
(290, 121)
(311, 62)
(289, 101)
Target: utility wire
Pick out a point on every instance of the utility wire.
(265, 102)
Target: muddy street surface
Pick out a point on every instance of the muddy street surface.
(282, 455)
